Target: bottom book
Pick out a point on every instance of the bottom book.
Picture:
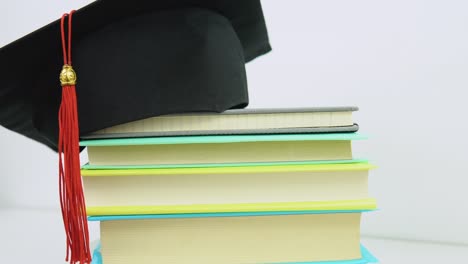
(367, 258)
(268, 237)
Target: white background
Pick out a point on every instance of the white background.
(403, 62)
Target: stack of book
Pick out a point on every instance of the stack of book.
(245, 186)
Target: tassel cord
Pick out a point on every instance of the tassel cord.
(70, 183)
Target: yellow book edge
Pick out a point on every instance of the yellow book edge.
(362, 204)
(230, 170)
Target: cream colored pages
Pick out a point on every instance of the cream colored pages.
(220, 152)
(205, 122)
(225, 188)
(232, 240)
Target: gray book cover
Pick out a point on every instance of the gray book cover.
(291, 130)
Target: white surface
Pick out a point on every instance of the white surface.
(36, 236)
(403, 62)
(403, 252)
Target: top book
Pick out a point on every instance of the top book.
(238, 122)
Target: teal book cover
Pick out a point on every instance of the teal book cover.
(226, 214)
(220, 139)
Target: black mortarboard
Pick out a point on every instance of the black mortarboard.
(134, 59)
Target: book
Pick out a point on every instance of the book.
(367, 258)
(220, 149)
(287, 238)
(142, 191)
(238, 121)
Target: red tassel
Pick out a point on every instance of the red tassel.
(70, 183)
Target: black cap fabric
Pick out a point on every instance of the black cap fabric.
(134, 60)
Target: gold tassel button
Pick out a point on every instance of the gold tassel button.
(67, 76)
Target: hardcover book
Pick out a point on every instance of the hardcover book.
(220, 149)
(367, 258)
(238, 121)
(233, 238)
(261, 188)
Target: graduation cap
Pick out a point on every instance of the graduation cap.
(134, 60)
